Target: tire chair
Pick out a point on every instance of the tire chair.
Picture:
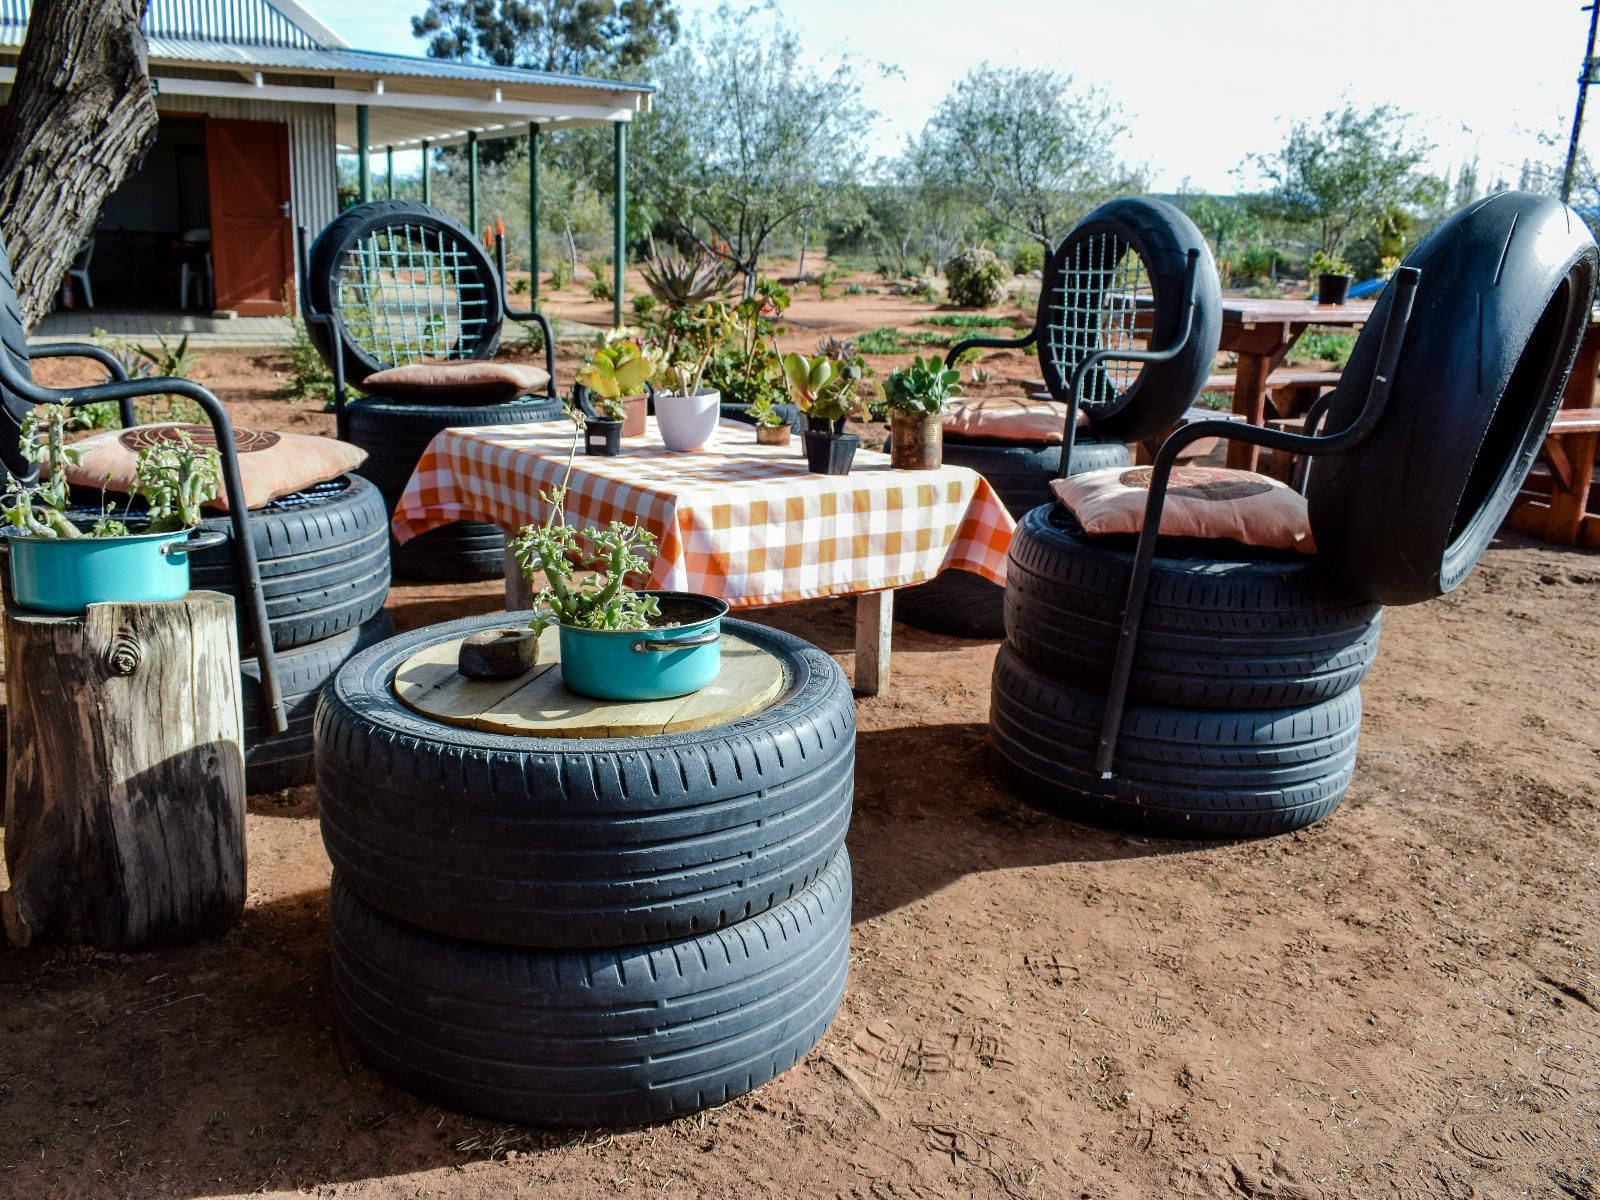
(405, 304)
(1158, 676)
(1122, 273)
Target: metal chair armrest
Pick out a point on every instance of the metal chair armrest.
(983, 343)
(99, 354)
(524, 315)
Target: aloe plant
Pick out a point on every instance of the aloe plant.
(680, 281)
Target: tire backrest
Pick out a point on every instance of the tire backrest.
(14, 344)
(404, 283)
(1116, 283)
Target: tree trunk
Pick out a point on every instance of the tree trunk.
(80, 119)
(572, 250)
(125, 792)
(800, 269)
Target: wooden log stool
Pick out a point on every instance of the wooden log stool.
(125, 798)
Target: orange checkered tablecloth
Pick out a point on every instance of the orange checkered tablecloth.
(745, 522)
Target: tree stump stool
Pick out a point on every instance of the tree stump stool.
(125, 798)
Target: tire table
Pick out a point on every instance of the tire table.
(744, 522)
(558, 911)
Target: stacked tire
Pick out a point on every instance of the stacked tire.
(586, 932)
(1243, 704)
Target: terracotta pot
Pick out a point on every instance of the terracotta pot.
(773, 435)
(917, 443)
(637, 408)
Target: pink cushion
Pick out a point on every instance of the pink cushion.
(270, 464)
(1202, 502)
(465, 381)
(1008, 419)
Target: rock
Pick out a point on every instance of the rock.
(498, 653)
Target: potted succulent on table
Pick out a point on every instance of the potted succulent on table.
(688, 414)
(828, 389)
(916, 396)
(772, 428)
(1333, 278)
(61, 566)
(616, 373)
(616, 643)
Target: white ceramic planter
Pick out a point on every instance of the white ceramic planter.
(688, 422)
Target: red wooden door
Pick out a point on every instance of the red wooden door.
(247, 170)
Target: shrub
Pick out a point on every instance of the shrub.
(1254, 263)
(600, 287)
(854, 289)
(1027, 258)
(883, 340)
(976, 278)
(560, 274)
(1322, 347)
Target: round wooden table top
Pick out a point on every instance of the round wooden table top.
(536, 704)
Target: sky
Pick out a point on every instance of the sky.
(1202, 83)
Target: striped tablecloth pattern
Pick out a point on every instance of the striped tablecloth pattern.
(745, 522)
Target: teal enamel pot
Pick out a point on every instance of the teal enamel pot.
(66, 575)
(648, 664)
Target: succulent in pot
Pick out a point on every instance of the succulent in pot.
(616, 373)
(1333, 278)
(828, 389)
(616, 643)
(915, 397)
(772, 429)
(687, 414)
(60, 566)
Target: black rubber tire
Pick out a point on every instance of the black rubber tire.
(272, 762)
(14, 345)
(1163, 235)
(1179, 771)
(1270, 633)
(959, 603)
(572, 842)
(597, 1038)
(324, 561)
(334, 243)
(1505, 293)
(395, 437)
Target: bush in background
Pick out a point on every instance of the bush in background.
(976, 278)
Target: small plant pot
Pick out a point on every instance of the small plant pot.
(637, 408)
(648, 664)
(603, 438)
(916, 443)
(688, 423)
(1333, 289)
(773, 435)
(66, 575)
(829, 453)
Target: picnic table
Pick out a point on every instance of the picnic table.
(1570, 448)
(745, 522)
(1261, 333)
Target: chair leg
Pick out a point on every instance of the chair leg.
(88, 291)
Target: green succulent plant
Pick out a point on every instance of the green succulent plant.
(615, 368)
(922, 389)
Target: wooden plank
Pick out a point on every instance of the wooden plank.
(519, 593)
(1250, 403)
(874, 627)
(1568, 503)
(538, 704)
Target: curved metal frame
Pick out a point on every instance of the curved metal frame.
(1405, 284)
(523, 315)
(123, 391)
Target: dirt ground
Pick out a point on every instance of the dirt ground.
(1402, 1001)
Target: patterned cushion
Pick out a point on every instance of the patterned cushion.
(1202, 502)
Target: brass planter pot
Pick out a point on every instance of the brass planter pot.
(917, 443)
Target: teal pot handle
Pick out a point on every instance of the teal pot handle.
(203, 540)
(700, 639)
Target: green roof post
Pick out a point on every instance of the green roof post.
(427, 181)
(388, 172)
(472, 182)
(363, 163)
(533, 210)
(619, 216)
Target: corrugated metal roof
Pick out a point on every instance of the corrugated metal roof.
(361, 62)
(254, 21)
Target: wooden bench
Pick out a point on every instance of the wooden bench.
(1562, 517)
(1289, 391)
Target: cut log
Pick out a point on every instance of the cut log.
(125, 799)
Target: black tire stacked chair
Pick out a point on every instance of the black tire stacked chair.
(390, 283)
(587, 932)
(1135, 253)
(1207, 689)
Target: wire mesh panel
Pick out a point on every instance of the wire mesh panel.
(1095, 306)
(412, 293)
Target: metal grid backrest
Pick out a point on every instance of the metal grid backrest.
(411, 293)
(1094, 305)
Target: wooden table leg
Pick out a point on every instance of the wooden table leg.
(519, 595)
(1250, 402)
(1568, 501)
(874, 625)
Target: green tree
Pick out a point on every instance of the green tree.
(1341, 175)
(746, 140)
(1032, 148)
(570, 37)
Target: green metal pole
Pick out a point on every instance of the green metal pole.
(427, 180)
(363, 164)
(533, 209)
(388, 172)
(472, 182)
(619, 217)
